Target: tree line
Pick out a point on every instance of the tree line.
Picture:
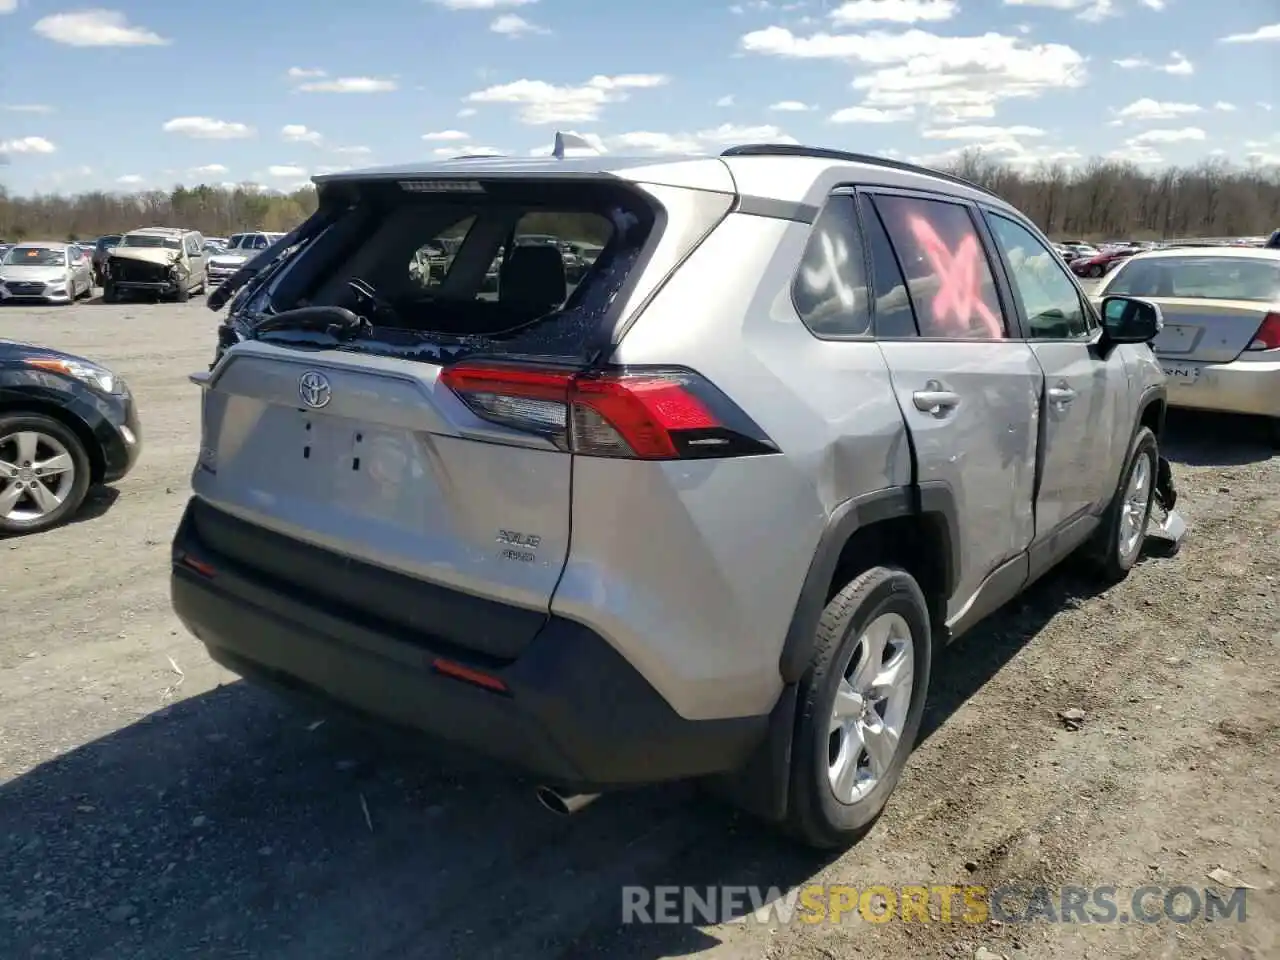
(1100, 200)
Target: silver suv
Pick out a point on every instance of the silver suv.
(808, 417)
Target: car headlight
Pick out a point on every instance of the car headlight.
(90, 373)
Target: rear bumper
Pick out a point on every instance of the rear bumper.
(1242, 386)
(574, 712)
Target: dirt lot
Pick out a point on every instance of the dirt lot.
(152, 807)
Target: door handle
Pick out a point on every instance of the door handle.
(1061, 394)
(935, 400)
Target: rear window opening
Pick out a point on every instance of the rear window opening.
(1200, 278)
(523, 268)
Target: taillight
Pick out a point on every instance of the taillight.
(630, 413)
(1268, 335)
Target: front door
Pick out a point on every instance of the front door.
(1085, 392)
(968, 393)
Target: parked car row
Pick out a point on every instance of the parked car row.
(164, 262)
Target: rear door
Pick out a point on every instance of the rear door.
(407, 491)
(1086, 415)
(969, 393)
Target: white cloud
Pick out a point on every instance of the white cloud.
(306, 73)
(353, 151)
(893, 11)
(1261, 35)
(981, 133)
(725, 101)
(8, 6)
(297, 133)
(481, 4)
(1178, 65)
(959, 77)
(510, 25)
(349, 85)
(1154, 4)
(467, 112)
(1183, 135)
(1148, 109)
(96, 28)
(130, 180)
(1138, 153)
(1089, 10)
(28, 107)
(1225, 107)
(27, 145)
(791, 106)
(207, 128)
(728, 133)
(540, 102)
(286, 171)
(872, 115)
(209, 170)
(452, 135)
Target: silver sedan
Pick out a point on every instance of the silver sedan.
(49, 272)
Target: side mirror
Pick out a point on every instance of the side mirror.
(1131, 320)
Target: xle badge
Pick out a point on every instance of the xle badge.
(519, 546)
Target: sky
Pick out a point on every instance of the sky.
(146, 94)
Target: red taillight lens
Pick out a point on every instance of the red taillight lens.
(1268, 335)
(644, 414)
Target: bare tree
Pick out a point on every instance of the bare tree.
(1100, 200)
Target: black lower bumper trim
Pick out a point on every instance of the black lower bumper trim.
(576, 714)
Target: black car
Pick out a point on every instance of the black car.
(99, 255)
(65, 423)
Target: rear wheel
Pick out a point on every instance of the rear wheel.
(1096, 270)
(1273, 431)
(1118, 542)
(182, 294)
(44, 473)
(861, 703)
(109, 292)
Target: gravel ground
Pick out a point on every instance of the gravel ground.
(153, 807)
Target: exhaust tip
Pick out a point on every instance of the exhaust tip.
(563, 804)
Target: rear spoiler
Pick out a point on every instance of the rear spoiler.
(323, 216)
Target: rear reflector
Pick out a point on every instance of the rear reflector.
(631, 413)
(458, 672)
(1268, 335)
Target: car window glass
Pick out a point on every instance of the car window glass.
(830, 286)
(1050, 301)
(1199, 278)
(948, 276)
(892, 304)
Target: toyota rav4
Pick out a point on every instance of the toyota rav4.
(711, 513)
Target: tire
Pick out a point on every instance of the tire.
(1113, 557)
(182, 295)
(1273, 432)
(55, 440)
(891, 598)
(109, 292)
(1097, 270)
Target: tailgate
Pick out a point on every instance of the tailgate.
(1209, 331)
(383, 472)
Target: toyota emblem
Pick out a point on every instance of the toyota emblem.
(314, 389)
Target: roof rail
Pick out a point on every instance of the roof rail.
(824, 153)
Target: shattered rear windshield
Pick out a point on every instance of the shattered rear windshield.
(457, 274)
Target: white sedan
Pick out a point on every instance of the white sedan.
(47, 272)
(1220, 346)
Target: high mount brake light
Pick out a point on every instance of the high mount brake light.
(1268, 335)
(627, 413)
